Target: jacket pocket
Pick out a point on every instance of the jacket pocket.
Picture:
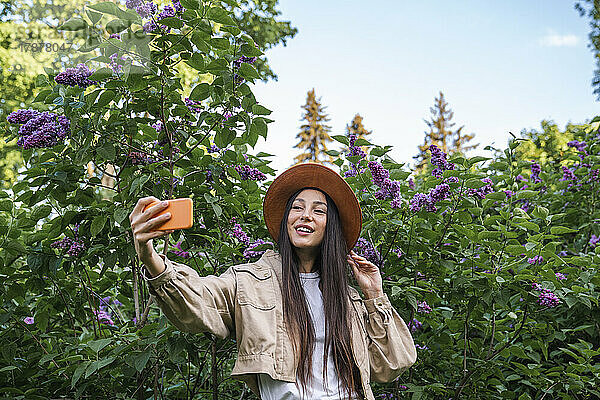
(255, 287)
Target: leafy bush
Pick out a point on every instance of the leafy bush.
(492, 262)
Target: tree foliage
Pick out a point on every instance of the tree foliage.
(314, 133)
(591, 10)
(440, 133)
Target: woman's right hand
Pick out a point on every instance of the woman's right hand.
(143, 224)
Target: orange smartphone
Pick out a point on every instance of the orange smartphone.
(182, 211)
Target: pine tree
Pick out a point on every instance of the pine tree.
(441, 134)
(357, 128)
(314, 133)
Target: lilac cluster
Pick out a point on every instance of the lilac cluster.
(423, 307)
(419, 347)
(536, 260)
(509, 193)
(103, 317)
(429, 201)
(249, 252)
(39, 129)
(411, 183)
(560, 276)
(239, 233)
(484, 190)
(157, 125)
(398, 252)
(73, 247)
(114, 36)
(365, 249)
(177, 5)
(114, 63)
(139, 158)
(580, 146)
(355, 150)
(144, 9)
(594, 240)
(213, 149)
(28, 320)
(536, 169)
(546, 298)
(77, 76)
(568, 175)
(388, 188)
(438, 159)
(193, 105)
(248, 173)
(415, 325)
(167, 12)
(180, 252)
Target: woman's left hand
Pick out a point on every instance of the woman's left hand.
(367, 275)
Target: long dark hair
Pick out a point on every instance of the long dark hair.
(331, 265)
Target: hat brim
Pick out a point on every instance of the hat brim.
(321, 177)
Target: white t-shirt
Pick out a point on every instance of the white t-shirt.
(271, 389)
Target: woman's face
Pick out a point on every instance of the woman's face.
(307, 219)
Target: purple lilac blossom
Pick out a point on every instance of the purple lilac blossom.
(438, 159)
(29, 320)
(568, 175)
(177, 6)
(580, 146)
(167, 11)
(415, 325)
(72, 247)
(22, 116)
(509, 193)
(180, 252)
(548, 299)
(132, 4)
(45, 129)
(146, 10)
(594, 240)
(451, 179)
(398, 252)
(104, 318)
(157, 126)
(419, 347)
(248, 173)
(366, 249)
(536, 169)
(213, 149)
(139, 158)
(520, 178)
(411, 183)
(562, 253)
(114, 36)
(77, 76)
(239, 233)
(150, 27)
(560, 276)
(484, 190)
(536, 260)
(418, 201)
(249, 252)
(193, 105)
(423, 307)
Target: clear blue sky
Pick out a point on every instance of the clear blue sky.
(503, 66)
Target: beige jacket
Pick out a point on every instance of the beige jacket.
(245, 301)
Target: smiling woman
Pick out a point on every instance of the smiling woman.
(302, 331)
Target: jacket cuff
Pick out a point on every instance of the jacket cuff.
(381, 304)
(162, 278)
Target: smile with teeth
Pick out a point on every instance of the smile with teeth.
(304, 229)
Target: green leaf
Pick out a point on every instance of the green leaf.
(118, 25)
(196, 61)
(97, 225)
(259, 127)
(172, 22)
(141, 360)
(108, 7)
(251, 51)
(342, 139)
(78, 372)
(101, 74)
(219, 15)
(105, 97)
(97, 345)
(190, 4)
(6, 205)
(260, 110)
(219, 43)
(362, 142)
(73, 24)
(559, 230)
(248, 72)
(200, 92)
(474, 183)
(93, 16)
(526, 194)
(41, 212)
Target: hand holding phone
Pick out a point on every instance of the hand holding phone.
(181, 211)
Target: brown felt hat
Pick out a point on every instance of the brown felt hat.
(318, 176)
